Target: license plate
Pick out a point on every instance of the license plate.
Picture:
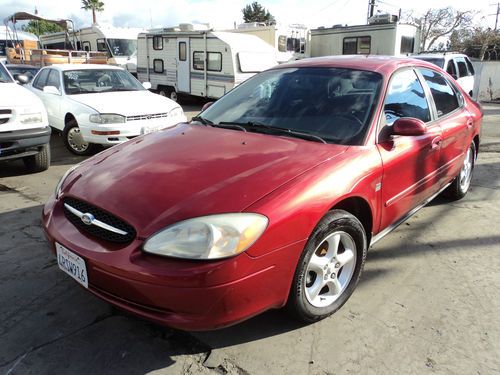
(150, 130)
(72, 264)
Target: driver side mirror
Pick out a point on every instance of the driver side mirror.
(206, 105)
(51, 90)
(408, 126)
(21, 79)
(146, 85)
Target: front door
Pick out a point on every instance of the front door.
(410, 163)
(183, 67)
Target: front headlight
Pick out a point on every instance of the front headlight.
(61, 180)
(107, 119)
(31, 118)
(208, 237)
(176, 112)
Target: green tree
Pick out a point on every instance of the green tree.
(257, 13)
(94, 6)
(41, 27)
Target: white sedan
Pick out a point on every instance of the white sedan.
(100, 104)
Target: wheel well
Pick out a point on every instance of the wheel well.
(68, 118)
(476, 143)
(361, 209)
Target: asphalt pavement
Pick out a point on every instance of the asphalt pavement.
(428, 301)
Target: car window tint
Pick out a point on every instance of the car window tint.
(469, 66)
(444, 97)
(462, 68)
(450, 69)
(53, 79)
(406, 98)
(41, 79)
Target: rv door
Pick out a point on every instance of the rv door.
(183, 69)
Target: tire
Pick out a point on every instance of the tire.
(74, 141)
(168, 92)
(39, 162)
(461, 184)
(325, 278)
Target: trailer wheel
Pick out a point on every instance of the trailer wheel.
(168, 92)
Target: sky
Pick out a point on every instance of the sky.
(224, 14)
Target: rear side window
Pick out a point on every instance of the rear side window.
(450, 69)
(445, 99)
(53, 79)
(41, 79)
(462, 67)
(469, 65)
(406, 98)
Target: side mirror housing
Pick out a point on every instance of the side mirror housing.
(206, 106)
(22, 79)
(146, 85)
(408, 126)
(51, 90)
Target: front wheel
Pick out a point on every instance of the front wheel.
(461, 184)
(329, 268)
(39, 162)
(74, 141)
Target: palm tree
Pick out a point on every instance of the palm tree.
(94, 5)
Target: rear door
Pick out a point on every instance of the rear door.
(455, 121)
(410, 163)
(183, 65)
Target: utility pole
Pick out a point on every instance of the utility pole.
(496, 14)
(371, 8)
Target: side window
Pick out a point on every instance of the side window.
(357, 45)
(86, 46)
(406, 98)
(158, 66)
(102, 46)
(157, 42)
(469, 65)
(462, 67)
(53, 79)
(214, 61)
(450, 69)
(282, 43)
(182, 51)
(445, 99)
(41, 79)
(407, 44)
(198, 63)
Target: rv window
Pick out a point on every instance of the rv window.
(214, 61)
(356, 45)
(86, 46)
(182, 51)
(198, 60)
(407, 44)
(158, 42)
(282, 43)
(158, 66)
(101, 46)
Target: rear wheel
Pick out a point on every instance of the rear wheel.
(40, 161)
(74, 141)
(461, 184)
(168, 92)
(329, 268)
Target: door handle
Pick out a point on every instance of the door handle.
(436, 143)
(470, 123)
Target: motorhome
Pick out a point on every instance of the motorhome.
(10, 38)
(291, 42)
(120, 44)
(384, 35)
(205, 63)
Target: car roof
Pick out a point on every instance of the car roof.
(381, 64)
(65, 67)
(439, 55)
(21, 66)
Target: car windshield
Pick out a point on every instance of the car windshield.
(122, 47)
(4, 75)
(439, 61)
(99, 80)
(334, 104)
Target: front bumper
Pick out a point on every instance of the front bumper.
(20, 143)
(188, 295)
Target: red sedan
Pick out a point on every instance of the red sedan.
(270, 197)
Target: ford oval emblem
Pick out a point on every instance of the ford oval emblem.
(87, 218)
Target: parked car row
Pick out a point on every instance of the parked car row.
(289, 179)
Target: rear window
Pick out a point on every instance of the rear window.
(433, 60)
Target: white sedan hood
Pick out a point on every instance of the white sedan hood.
(126, 103)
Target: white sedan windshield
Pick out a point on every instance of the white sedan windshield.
(99, 80)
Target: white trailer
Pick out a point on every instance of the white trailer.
(291, 42)
(120, 44)
(390, 38)
(199, 63)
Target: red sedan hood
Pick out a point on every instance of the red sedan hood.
(189, 171)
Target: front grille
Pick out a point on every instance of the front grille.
(147, 117)
(100, 215)
(5, 115)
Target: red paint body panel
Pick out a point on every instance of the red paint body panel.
(190, 171)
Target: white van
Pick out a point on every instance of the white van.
(24, 128)
(120, 44)
(174, 61)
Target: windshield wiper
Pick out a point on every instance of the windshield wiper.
(278, 130)
(230, 125)
(202, 120)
